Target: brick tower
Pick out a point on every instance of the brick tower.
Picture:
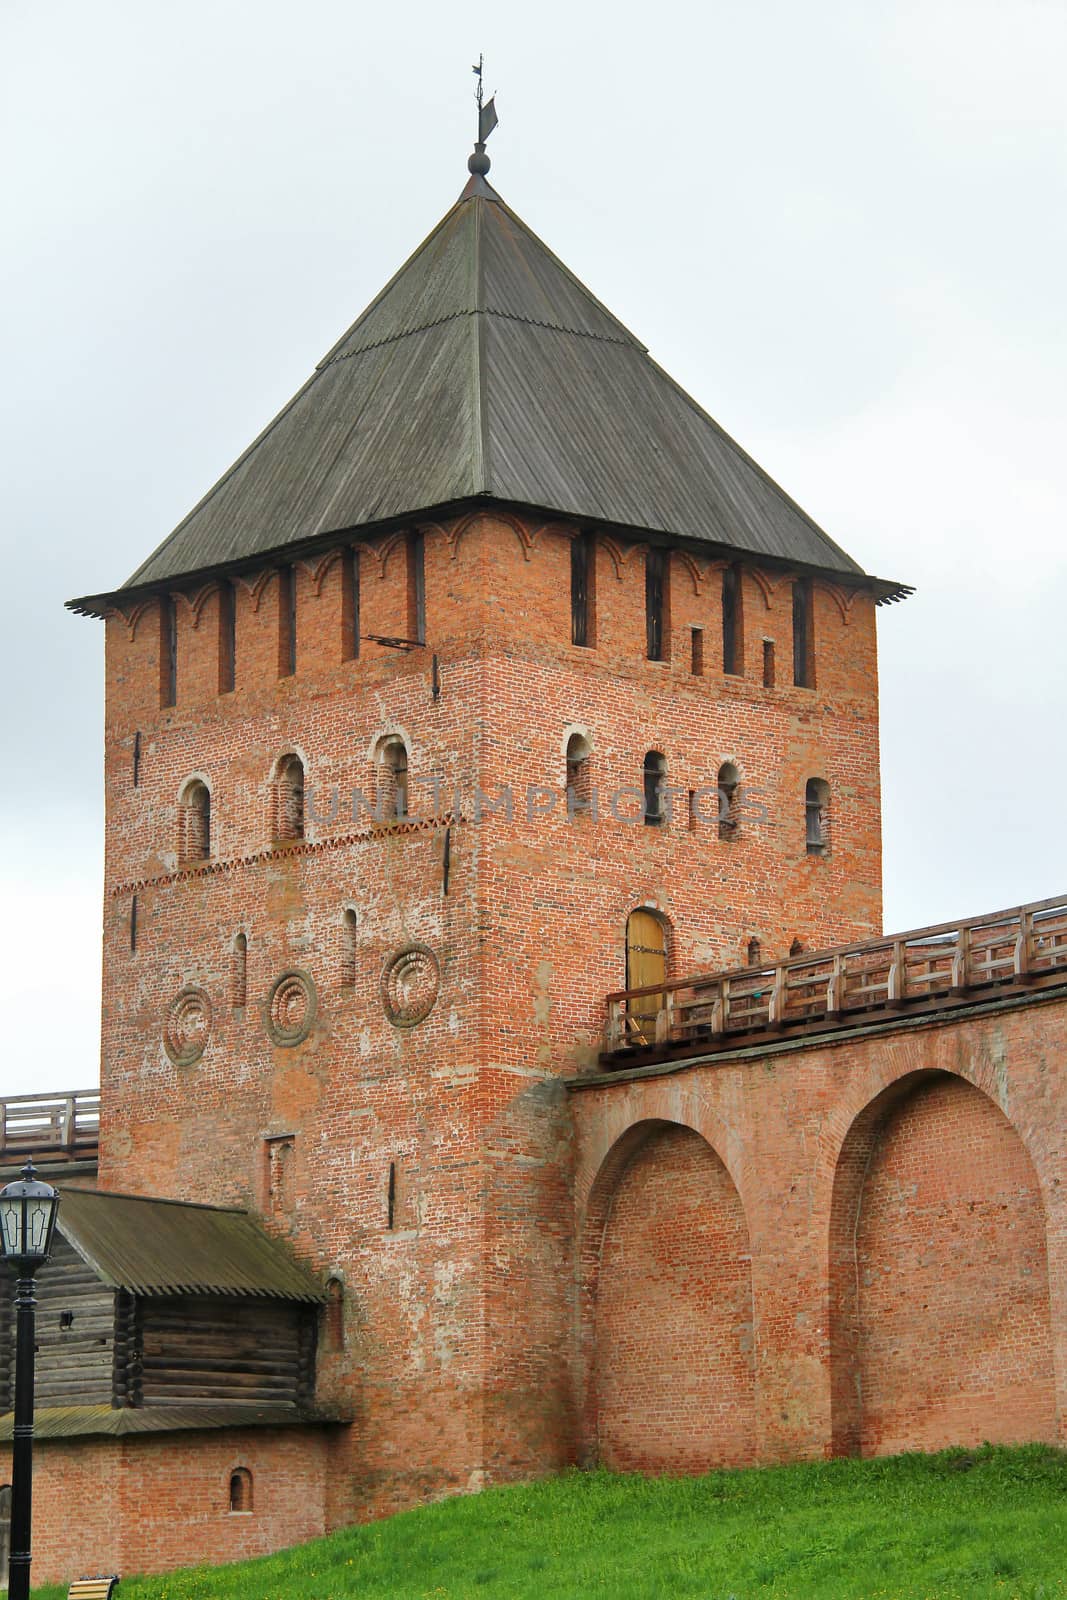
(492, 676)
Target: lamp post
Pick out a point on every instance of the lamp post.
(27, 1222)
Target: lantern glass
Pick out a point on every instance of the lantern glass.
(11, 1227)
(27, 1219)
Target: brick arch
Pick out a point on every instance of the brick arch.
(939, 1314)
(666, 1303)
(527, 540)
(909, 1057)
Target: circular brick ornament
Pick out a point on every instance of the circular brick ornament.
(410, 983)
(186, 1026)
(291, 1008)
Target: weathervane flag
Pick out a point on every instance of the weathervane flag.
(487, 119)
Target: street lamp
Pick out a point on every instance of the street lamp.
(27, 1222)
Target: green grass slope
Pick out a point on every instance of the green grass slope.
(956, 1526)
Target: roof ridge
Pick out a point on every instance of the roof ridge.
(481, 475)
(160, 1200)
(476, 311)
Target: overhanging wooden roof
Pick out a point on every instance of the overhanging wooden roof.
(486, 372)
(72, 1422)
(167, 1247)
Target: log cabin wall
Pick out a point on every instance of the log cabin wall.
(7, 1342)
(202, 1349)
(75, 1332)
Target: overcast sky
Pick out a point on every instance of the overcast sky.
(842, 227)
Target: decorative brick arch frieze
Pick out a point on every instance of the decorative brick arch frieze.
(199, 600)
(132, 616)
(620, 554)
(844, 599)
(697, 570)
(255, 586)
(527, 537)
(319, 571)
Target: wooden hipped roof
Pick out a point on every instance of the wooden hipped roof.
(486, 372)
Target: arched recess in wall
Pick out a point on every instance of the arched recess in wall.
(646, 964)
(672, 1381)
(241, 1491)
(940, 1332)
(287, 799)
(391, 777)
(194, 822)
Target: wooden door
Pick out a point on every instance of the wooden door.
(646, 963)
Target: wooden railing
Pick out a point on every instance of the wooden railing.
(54, 1125)
(925, 969)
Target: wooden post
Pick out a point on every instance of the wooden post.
(960, 962)
(1024, 947)
(776, 1009)
(720, 1011)
(614, 1026)
(898, 979)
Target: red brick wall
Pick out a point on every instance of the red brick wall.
(939, 1278)
(921, 1163)
(459, 1360)
(150, 1504)
(674, 1374)
(523, 1208)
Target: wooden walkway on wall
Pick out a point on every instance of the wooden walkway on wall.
(61, 1127)
(924, 970)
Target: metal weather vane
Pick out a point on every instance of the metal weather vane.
(487, 120)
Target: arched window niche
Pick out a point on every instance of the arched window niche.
(287, 799)
(240, 1492)
(194, 822)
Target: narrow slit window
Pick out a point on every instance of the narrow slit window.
(583, 589)
(348, 949)
(390, 1198)
(168, 652)
(133, 923)
(696, 652)
(286, 622)
(241, 1491)
(655, 785)
(768, 663)
(350, 605)
(227, 638)
(729, 784)
(579, 774)
(732, 623)
(657, 609)
(417, 587)
(803, 635)
(335, 1314)
(817, 816)
(137, 759)
(239, 972)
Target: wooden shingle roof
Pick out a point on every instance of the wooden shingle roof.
(168, 1247)
(485, 372)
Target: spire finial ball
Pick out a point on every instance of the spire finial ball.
(478, 164)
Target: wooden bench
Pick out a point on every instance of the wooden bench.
(92, 1589)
